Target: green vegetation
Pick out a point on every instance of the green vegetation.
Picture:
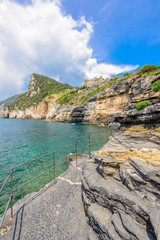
(67, 97)
(159, 96)
(75, 97)
(84, 87)
(99, 89)
(8, 101)
(110, 83)
(40, 88)
(156, 86)
(48, 85)
(43, 87)
(148, 70)
(84, 98)
(127, 74)
(143, 104)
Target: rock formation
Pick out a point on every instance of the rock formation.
(96, 81)
(113, 104)
(116, 105)
(121, 186)
(121, 181)
(6, 102)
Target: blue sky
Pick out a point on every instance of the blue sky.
(125, 32)
(70, 40)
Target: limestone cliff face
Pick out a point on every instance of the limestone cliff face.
(120, 186)
(33, 89)
(1, 109)
(42, 111)
(6, 102)
(39, 101)
(116, 105)
(113, 106)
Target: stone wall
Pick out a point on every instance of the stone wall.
(96, 81)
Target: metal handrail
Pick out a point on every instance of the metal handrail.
(78, 149)
(95, 143)
(86, 135)
(64, 148)
(85, 144)
(5, 211)
(38, 176)
(5, 183)
(88, 140)
(32, 179)
(32, 160)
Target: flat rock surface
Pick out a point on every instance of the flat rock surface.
(56, 212)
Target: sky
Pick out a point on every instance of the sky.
(72, 40)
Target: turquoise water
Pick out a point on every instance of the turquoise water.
(24, 140)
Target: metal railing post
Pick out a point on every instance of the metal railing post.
(89, 137)
(54, 169)
(76, 151)
(11, 218)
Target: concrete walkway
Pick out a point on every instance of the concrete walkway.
(56, 212)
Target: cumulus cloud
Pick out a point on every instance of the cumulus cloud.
(38, 37)
(93, 69)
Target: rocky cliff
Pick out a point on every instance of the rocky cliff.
(7, 102)
(121, 186)
(117, 187)
(37, 101)
(114, 104)
(121, 181)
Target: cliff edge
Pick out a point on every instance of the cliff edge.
(130, 99)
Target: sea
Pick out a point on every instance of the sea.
(23, 140)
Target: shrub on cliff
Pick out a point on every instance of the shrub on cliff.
(156, 86)
(143, 104)
(68, 97)
(127, 74)
(109, 83)
(148, 68)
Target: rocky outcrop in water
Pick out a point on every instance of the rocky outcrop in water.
(121, 186)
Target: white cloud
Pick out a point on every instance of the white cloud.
(93, 69)
(57, 78)
(40, 38)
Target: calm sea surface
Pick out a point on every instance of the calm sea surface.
(24, 140)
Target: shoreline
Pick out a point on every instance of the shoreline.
(119, 188)
(53, 120)
(107, 131)
(67, 184)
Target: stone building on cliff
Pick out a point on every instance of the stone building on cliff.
(100, 81)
